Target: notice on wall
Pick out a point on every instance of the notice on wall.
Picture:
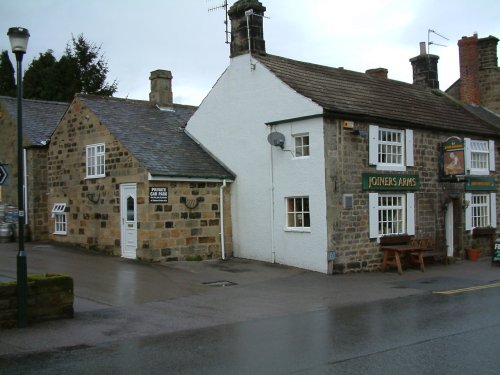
(158, 195)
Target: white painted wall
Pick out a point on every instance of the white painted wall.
(231, 124)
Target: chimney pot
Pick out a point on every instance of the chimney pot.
(422, 48)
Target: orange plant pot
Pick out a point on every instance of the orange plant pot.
(473, 254)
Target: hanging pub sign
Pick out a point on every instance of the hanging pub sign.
(452, 159)
(158, 195)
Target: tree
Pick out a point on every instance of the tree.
(92, 69)
(37, 81)
(81, 69)
(7, 80)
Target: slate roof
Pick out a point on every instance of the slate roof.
(40, 118)
(360, 96)
(156, 137)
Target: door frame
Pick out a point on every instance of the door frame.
(449, 229)
(128, 224)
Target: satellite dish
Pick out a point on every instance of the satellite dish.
(276, 139)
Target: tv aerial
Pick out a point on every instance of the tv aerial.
(429, 42)
(222, 6)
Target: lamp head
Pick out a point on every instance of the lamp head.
(18, 37)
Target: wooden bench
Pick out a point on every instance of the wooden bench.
(394, 246)
(430, 250)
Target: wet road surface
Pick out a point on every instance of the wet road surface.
(420, 334)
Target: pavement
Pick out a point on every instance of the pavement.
(117, 298)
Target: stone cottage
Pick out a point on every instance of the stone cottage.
(125, 178)
(328, 161)
(40, 118)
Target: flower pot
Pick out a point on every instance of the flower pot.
(473, 254)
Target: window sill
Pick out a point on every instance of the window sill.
(60, 233)
(394, 168)
(298, 230)
(94, 177)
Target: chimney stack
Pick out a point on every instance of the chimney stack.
(425, 70)
(479, 74)
(239, 29)
(161, 89)
(469, 70)
(378, 72)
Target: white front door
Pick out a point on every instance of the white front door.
(128, 213)
(449, 222)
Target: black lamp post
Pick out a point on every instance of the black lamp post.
(18, 37)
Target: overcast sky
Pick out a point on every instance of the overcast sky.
(138, 36)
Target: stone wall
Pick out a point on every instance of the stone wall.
(187, 226)
(8, 155)
(166, 231)
(37, 198)
(49, 297)
(348, 229)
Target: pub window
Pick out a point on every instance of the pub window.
(391, 214)
(479, 156)
(390, 149)
(480, 211)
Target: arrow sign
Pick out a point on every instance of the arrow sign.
(3, 174)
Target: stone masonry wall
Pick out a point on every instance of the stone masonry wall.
(37, 199)
(187, 226)
(166, 231)
(348, 229)
(8, 156)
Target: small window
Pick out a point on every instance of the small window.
(59, 216)
(479, 156)
(301, 145)
(390, 149)
(298, 215)
(391, 214)
(480, 206)
(95, 161)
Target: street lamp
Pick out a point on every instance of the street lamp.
(18, 37)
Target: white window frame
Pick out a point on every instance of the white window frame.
(95, 160)
(60, 218)
(408, 213)
(475, 149)
(300, 150)
(298, 214)
(472, 206)
(406, 145)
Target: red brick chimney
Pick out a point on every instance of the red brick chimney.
(378, 72)
(469, 70)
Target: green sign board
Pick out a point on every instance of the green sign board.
(374, 181)
(480, 183)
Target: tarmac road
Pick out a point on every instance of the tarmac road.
(118, 299)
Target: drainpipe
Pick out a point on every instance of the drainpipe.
(221, 205)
